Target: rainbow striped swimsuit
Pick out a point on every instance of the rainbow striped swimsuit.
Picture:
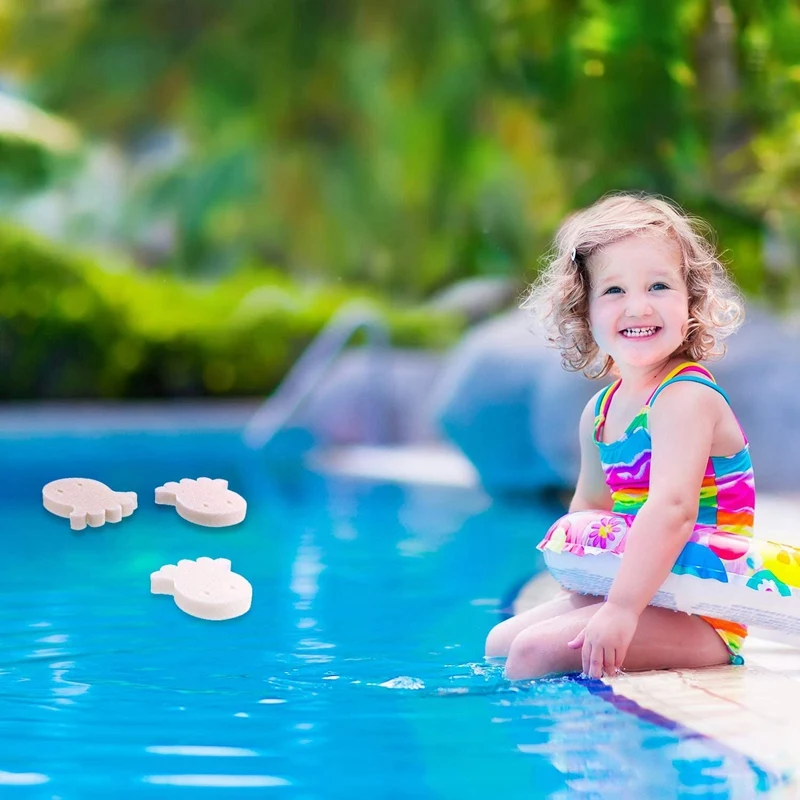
(727, 495)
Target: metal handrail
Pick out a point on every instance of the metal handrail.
(277, 411)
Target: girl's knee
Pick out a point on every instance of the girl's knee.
(531, 656)
(499, 640)
(522, 661)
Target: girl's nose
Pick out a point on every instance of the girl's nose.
(638, 305)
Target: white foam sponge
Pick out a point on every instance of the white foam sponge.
(204, 501)
(86, 501)
(205, 588)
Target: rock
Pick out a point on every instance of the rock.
(555, 416)
(760, 374)
(476, 298)
(484, 400)
(505, 401)
(378, 397)
(502, 397)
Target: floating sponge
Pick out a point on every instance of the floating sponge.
(86, 501)
(205, 588)
(204, 501)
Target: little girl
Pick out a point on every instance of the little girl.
(634, 288)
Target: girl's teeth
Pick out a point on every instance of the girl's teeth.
(634, 332)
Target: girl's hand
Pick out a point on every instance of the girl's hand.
(605, 640)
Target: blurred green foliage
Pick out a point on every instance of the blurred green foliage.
(399, 145)
(411, 144)
(24, 165)
(70, 327)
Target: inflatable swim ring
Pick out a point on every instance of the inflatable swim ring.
(723, 575)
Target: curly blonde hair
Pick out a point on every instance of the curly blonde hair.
(560, 295)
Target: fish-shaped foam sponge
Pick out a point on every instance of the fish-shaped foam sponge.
(205, 588)
(204, 501)
(86, 501)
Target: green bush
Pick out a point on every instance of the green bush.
(70, 328)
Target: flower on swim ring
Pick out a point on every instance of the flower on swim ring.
(557, 540)
(604, 531)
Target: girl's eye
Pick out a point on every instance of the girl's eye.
(659, 286)
(612, 290)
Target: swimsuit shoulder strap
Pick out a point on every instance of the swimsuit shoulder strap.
(604, 399)
(688, 371)
(601, 407)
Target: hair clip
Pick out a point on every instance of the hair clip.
(573, 255)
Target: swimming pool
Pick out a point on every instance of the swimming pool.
(357, 673)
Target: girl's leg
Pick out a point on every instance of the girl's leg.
(500, 637)
(664, 639)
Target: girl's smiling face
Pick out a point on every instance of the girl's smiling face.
(638, 300)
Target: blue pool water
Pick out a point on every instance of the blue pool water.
(357, 673)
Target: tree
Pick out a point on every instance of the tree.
(407, 144)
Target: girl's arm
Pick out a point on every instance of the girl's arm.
(681, 426)
(681, 423)
(591, 490)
